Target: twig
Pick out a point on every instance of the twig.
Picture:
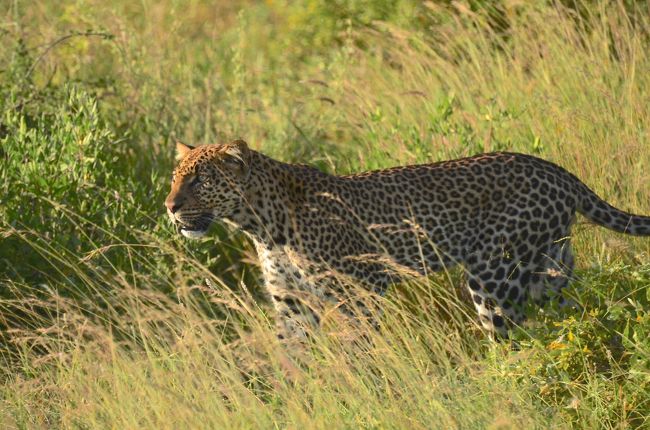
(62, 39)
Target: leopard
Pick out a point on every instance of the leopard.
(504, 217)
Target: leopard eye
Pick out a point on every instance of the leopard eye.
(200, 181)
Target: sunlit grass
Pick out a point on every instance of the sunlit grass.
(142, 360)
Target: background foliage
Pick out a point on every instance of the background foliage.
(103, 309)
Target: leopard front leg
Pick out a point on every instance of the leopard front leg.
(294, 298)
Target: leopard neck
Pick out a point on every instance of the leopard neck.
(265, 215)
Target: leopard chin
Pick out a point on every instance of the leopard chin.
(193, 234)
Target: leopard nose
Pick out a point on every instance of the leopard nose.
(173, 204)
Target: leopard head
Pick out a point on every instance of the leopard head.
(208, 183)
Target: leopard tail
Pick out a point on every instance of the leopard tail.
(602, 213)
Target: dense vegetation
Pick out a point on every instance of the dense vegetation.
(106, 318)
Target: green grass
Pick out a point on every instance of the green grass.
(105, 316)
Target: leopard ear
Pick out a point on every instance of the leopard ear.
(238, 149)
(238, 156)
(182, 150)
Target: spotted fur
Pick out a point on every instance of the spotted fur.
(505, 217)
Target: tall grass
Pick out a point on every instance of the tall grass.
(106, 315)
(141, 359)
